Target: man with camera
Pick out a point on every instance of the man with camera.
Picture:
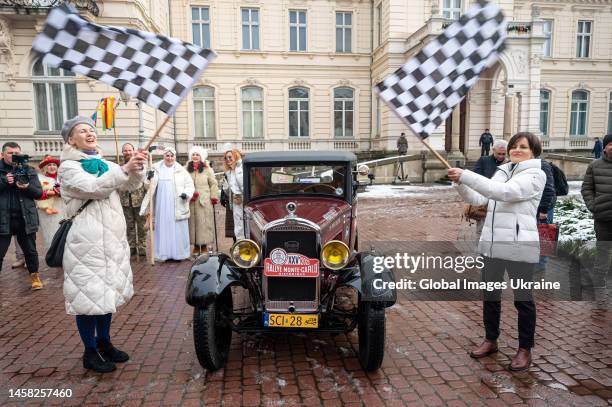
(19, 187)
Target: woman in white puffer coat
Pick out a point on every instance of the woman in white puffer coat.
(509, 240)
(96, 262)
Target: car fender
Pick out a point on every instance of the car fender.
(362, 274)
(208, 278)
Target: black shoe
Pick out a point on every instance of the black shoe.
(93, 360)
(111, 353)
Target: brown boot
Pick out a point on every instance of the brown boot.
(521, 361)
(485, 349)
(36, 283)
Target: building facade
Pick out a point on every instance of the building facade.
(297, 75)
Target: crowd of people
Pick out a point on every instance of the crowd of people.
(114, 206)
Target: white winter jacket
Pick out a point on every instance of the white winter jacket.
(510, 229)
(235, 179)
(182, 184)
(97, 272)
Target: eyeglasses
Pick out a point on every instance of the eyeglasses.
(228, 158)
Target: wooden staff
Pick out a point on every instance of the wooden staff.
(150, 220)
(116, 142)
(156, 134)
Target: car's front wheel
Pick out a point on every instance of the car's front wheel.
(211, 334)
(371, 331)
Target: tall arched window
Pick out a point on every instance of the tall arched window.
(252, 112)
(55, 97)
(298, 112)
(343, 112)
(544, 111)
(579, 113)
(204, 112)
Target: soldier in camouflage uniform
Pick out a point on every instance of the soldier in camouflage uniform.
(131, 201)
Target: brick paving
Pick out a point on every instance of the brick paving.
(426, 361)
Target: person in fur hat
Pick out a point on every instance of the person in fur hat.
(201, 221)
(51, 208)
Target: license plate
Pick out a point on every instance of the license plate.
(291, 320)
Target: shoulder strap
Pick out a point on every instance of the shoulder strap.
(81, 209)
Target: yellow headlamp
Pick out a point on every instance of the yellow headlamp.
(335, 255)
(245, 253)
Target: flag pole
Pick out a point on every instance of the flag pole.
(434, 152)
(116, 142)
(156, 134)
(150, 218)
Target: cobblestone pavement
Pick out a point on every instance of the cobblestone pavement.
(426, 360)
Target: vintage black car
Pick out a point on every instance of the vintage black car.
(302, 250)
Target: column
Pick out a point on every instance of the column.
(456, 129)
(508, 115)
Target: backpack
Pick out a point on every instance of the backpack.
(561, 186)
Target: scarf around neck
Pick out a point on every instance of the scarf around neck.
(94, 166)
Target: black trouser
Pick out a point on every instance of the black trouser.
(523, 300)
(484, 150)
(27, 242)
(603, 233)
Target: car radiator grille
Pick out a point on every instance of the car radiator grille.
(301, 293)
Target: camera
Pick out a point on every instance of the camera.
(20, 162)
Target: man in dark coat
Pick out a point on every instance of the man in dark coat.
(486, 139)
(18, 214)
(487, 165)
(402, 144)
(597, 148)
(597, 194)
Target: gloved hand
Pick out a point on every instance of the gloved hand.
(150, 175)
(183, 195)
(195, 196)
(214, 201)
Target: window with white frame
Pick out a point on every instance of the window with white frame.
(200, 26)
(583, 39)
(610, 114)
(548, 33)
(55, 96)
(252, 112)
(544, 111)
(343, 112)
(204, 112)
(250, 28)
(579, 113)
(344, 31)
(297, 30)
(298, 112)
(451, 9)
(379, 24)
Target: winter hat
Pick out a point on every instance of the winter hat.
(70, 124)
(227, 147)
(170, 150)
(48, 160)
(198, 150)
(607, 139)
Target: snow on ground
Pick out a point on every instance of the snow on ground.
(401, 191)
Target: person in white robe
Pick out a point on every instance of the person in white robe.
(172, 188)
(51, 208)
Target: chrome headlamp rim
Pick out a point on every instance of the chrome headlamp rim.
(254, 261)
(339, 266)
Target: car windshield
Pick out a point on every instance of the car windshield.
(298, 179)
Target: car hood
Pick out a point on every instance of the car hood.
(319, 210)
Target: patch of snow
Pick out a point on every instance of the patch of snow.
(281, 382)
(401, 191)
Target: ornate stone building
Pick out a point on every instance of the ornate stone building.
(297, 74)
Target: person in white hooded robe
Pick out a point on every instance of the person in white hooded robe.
(172, 187)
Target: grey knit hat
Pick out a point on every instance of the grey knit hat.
(70, 124)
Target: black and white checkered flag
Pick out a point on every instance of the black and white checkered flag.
(153, 68)
(424, 90)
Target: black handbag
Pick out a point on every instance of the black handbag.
(55, 254)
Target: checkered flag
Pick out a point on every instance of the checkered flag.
(153, 68)
(424, 90)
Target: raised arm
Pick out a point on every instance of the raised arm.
(79, 184)
(521, 187)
